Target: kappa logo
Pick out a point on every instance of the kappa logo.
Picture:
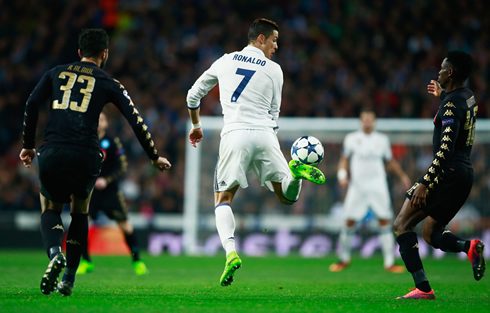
(73, 242)
(446, 231)
(60, 227)
(416, 246)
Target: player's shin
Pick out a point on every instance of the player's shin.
(409, 250)
(291, 188)
(387, 240)
(446, 241)
(225, 224)
(75, 242)
(52, 231)
(345, 241)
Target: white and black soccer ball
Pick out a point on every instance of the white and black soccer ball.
(308, 150)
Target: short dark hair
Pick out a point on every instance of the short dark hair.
(92, 42)
(261, 26)
(461, 62)
(367, 110)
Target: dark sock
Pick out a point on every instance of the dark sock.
(76, 239)
(52, 231)
(133, 246)
(85, 254)
(69, 274)
(446, 241)
(409, 250)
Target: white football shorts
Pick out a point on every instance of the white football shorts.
(249, 150)
(359, 200)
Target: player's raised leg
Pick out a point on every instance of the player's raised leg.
(440, 238)
(52, 231)
(225, 224)
(303, 171)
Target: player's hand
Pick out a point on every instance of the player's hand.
(419, 197)
(195, 136)
(344, 183)
(162, 164)
(434, 88)
(27, 156)
(101, 183)
(406, 181)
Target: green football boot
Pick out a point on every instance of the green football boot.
(233, 263)
(300, 170)
(140, 268)
(85, 267)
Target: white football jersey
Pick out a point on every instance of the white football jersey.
(367, 154)
(250, 87)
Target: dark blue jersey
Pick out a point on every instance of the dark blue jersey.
(77, 92)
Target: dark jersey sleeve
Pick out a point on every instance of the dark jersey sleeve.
(38, 96)
(448, 124)
(124, 103)
(119, 164)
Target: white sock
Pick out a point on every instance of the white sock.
(225, 223)
(387, 240)
(291, 188)
(345, 240)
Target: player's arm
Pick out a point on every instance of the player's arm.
(38, 96)
(124, 103)
(395, 167)
(451, 123)
(342, 171)
(121, 162)
(201, 87)
(277, 84)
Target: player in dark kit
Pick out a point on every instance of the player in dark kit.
(441, 192)
(108, 198)
(70, 158)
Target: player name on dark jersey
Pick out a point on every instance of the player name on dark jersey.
(77, 93)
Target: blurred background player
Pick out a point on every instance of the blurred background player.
(364, 155)
(108, 198)
(441, 192)
(70, 158)
(250, 86)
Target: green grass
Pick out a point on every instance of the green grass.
(191, 284)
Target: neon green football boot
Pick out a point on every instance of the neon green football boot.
(233, 263)
(140, 268)
(300, 170)
(85, 267)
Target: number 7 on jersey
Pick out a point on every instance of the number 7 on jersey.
(247, 75)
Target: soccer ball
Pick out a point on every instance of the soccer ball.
(308, 150)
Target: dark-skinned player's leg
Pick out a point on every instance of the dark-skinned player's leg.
(404, 226)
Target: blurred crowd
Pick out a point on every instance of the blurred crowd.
(337, 56)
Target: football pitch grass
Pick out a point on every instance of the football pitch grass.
(271, 284)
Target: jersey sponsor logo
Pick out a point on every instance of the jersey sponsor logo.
(471, 101)
(246, 59)
(447, 121)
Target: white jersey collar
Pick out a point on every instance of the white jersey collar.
(253, 49)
